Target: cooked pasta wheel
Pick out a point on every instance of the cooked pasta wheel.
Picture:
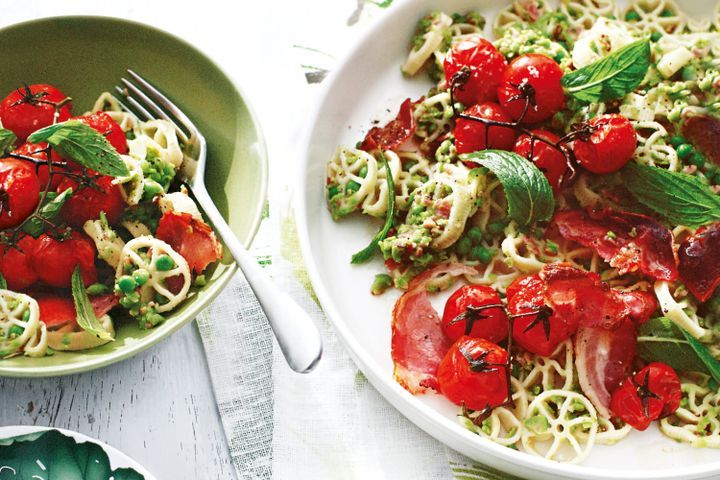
(504, 425)
(681, 311)
(519, 11)
(21, 330)
(109, 104)
(605, 37)
(432, 39)
(526, 253)
(158, 137)
(609, 433)
(144, 253)
(560, 425)
(697, 421)
(351, 177)
(132, 186)
(652, 149)
(662, 16)
(582, 14)
(549, 373)
(108, 243)
(68, 338)
(415, 171)
(376, 202)
(434, 117)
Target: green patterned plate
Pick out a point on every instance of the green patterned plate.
(84, 56)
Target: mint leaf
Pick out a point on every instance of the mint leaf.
(680, 198)
(3, 282)
(48, 213)
(366, 253)
(529, 196)
(85, 314)
(75, 140)
(611, 77)
(662, 340)
(7, 141)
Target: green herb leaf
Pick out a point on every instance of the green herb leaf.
(85, 314)
(3, 282)
(662, 340)
(611, 77)
(367, 253)
(48, 213)
(682, 199)
(7, 141)
(84, 145)
(529, 196)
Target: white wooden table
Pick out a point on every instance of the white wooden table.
(159, 407)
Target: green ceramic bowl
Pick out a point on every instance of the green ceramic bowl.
(84, 56)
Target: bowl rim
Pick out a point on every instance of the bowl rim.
(136, 347)
(417, 412)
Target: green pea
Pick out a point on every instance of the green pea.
(485, 255)
(667, 13)
(333, 190)
(677, 140)
(684, 150)
(697, 158)
(363, 171)
(16, 330)
(127, 303)
(164, 263)
(126, 283)
(475, 234)
(496, 227)
(26, 315)
(463, 246)
(141, 276)
(200, 281)
(151, 189)
(632, 16)
(381, 283)
(656, 36)
(97, 289)
(352, 186)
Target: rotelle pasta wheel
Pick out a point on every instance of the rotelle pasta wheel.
(21, 330)
(351, 177)
(560, 425)
(148, 253)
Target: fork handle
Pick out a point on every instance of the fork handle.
(297, 335)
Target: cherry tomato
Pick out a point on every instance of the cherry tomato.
(470, 135)
(547, 158)
(56, 311)
(540, 76)
(654, 392)
(15, 264)
(105, 125)
(459, 319)
(54, 261)
(191, 238)
(19, 191)
(485, 65)
(472, 373)
(610, 146)
(38, 151)
(541, 333)
(28, 109)
(87, 202)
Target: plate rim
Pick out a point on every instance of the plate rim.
(95, 363)
(420, 414)
(29, 429)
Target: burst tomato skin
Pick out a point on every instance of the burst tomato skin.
(37, 151)
(493, 327)
(470, 134)
(662, 381)
(16, 266)
(476, 389)
(54, 261)
(526, 295)
(24, 117)
(20, 182)
(87, 203)
(106, 126)
(547, 158)
(486, 65)
(609, 147)
(543, 74)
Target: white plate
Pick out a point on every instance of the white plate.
(116, 457)
(368, 85)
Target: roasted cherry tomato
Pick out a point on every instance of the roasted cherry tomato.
(473, 135)
(610, 146)
(654, 392)
(28, 109)
(191, 238)
(37, 151)
(15, 264)
(460, 318)
(87, 202)
(54, 261)
(547, 158)
(540, 333)
(485, 66)
(56, 311)
(19, 191)
(473, 373)
(536, 77)
(105, 125)
(394, 133)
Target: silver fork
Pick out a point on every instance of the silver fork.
(295, 332)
